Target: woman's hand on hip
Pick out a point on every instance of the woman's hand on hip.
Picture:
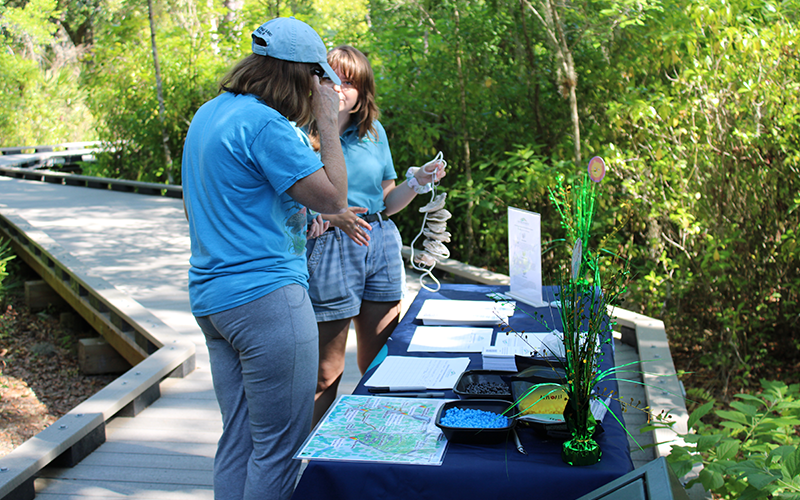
(354, 226)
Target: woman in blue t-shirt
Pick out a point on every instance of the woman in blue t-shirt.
(356, 270)
(248, 182)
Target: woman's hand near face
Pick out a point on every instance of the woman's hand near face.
(354, 226)
(326, 189)
(325, 105)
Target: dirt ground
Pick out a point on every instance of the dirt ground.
(40, 378)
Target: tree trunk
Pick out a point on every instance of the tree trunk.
(531, 60)
(470, 236)
(568, 78)
(160, 94)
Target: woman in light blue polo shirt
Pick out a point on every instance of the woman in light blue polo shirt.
(356, 270)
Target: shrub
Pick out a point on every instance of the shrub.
(753, 452)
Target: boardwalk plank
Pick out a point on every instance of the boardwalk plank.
(187, 389)
(144, 422)
(159, 448)
(146, 475)
(178, 462)
(156, 435)
(176, 411)
(56, 489)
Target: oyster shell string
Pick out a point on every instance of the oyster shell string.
(434, 228)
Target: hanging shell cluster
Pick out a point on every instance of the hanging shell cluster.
(435, 232)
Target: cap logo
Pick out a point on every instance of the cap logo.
(262, 30)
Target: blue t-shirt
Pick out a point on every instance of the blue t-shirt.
(369, 163)
(248, 236)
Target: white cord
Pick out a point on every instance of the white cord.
(427, 271)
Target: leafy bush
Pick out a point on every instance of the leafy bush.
(754, 451)
(6, 254)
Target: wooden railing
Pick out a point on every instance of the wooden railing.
(153, 348)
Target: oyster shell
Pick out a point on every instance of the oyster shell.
(439, 215)
(436, 204)
(437, 227)
(443, 236)
(424, 258)
(436, 248)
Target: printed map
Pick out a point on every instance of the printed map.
(378, 429)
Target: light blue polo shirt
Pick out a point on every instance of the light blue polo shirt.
(248, 236)
(369, 163)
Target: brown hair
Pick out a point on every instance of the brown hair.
(355, 67)
(282, 85)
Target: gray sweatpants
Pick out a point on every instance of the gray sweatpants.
(264, 365)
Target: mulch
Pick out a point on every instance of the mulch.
(40, 377)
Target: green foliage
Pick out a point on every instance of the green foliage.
(706, 118)
(693, 105)
(41, 101)
(753, 453)
(6, 254)
(123, 87)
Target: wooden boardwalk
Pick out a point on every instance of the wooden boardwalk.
(140, 245)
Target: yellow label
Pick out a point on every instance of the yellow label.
(545, 399)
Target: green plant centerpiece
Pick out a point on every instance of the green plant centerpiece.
(586, 326)
(584, 309)
(584, 314)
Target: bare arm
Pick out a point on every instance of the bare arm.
(326, 189)
(397, 196)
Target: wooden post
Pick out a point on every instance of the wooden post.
(39, 295)
(97, 357)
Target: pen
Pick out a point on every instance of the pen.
(516, 442)
(379, 390)
(415, 395)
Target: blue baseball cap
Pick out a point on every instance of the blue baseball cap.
(288, 39)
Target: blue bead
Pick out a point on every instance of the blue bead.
(472, 418)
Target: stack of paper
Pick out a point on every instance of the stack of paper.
(465, 312)
(500, 359)
(408, 371)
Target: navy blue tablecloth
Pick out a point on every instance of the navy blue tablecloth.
(479, 472)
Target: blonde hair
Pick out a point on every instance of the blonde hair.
(355, 67)
(282, 85)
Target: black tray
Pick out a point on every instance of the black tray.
(470, 377)
(475, 435)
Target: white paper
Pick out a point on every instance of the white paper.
(465, 312)
(431, 373)
(524, 344)
(598, 409)
(499, 359)
(553, 343)
(450, 339)
(525, 256)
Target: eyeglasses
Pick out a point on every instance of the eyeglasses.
(317, 70)
(346, 84)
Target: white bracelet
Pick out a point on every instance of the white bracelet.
(414, 184)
